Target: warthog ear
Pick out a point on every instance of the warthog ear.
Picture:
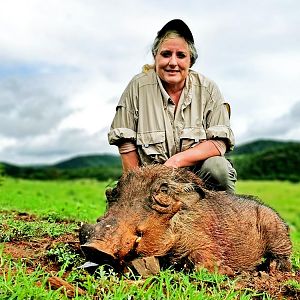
(163, 201)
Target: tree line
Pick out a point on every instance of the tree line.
(259, 160)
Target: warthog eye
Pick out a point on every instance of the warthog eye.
(164, 188)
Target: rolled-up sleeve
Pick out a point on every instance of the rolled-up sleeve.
(218, 122)
(123, 126)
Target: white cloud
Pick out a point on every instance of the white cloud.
(286, 125)
(28, 108)
(55, 146)
(95, 103)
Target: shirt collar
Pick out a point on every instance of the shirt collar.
(188, 91)
(164, 93)
(185, 93)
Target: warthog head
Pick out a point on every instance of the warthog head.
(138, 221)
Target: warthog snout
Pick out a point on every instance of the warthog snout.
(98, 252)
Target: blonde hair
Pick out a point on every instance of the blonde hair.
(147, 68)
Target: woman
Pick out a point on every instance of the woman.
(170, 114)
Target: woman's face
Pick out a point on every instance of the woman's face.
(172, 62)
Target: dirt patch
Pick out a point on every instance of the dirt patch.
(275, 284)
(34, 252)
(24, 216)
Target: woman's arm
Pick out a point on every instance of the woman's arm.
(129, 155)
(192, 156)
(130, 160)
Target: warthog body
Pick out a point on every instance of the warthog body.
(167, 213)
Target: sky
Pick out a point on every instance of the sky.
(65, 63)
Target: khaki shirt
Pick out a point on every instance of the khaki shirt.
(146, 115)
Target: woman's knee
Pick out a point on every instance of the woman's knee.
(219, 172)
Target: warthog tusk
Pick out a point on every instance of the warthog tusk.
(88, 264)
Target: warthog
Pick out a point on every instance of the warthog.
(167, 213)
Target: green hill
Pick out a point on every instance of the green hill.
(100, 167)
(90, 161)
(279, 161)
(259, 146)
(261, 159)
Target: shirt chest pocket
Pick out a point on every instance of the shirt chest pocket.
(151, 147)
(191, 136)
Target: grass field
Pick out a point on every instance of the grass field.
(81, 200)
(59, 207)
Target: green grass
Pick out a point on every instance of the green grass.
(283, 196)
(12, 229)
(65, 256)
(15, 283)
(84, 200)
(81, 200)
